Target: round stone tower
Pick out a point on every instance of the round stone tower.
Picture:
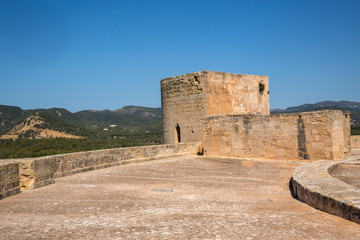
(188, 99)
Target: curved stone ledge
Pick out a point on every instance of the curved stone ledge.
(312, 184)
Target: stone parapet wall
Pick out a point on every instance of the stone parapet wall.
(9, 179)
(32, 173)
(310, 135)
(355, 141)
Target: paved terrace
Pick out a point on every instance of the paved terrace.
(174, 198)
(349, 174)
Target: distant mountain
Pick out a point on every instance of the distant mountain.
(141, 111)
(57, 122)
(10, 116)
(35, 127)
(348, 106)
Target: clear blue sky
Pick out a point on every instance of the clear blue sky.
(107, 54)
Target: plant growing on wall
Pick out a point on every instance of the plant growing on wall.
(261, 88)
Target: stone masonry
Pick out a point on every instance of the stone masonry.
(30, 173)
(188, 99)
(310, 135)
(347, 134)
(9, 179)
(229, 114)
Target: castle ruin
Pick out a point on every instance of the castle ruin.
(217, 114)
(230, 114)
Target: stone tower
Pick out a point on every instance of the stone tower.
(187, 100)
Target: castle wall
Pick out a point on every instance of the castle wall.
(182, 101)
(228, 93)
(37, 172)
(311, 135)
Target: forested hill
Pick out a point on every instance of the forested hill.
(90, 123)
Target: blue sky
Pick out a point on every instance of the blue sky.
(108, 54)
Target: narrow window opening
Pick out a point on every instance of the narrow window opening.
(177, 133)
(261, 88)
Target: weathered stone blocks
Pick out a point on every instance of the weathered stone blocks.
(310, 135)
(188, 99)
(38, 172)
(9, 179)
(230, 114)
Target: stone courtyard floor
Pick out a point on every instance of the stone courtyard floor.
(175, 198)
(348, 173)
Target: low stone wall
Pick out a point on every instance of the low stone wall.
(312, 184)
(9, 179)
(355, 141)
(32, 173)
(38, 172)
(309, 135)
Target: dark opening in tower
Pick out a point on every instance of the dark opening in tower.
(177, 133)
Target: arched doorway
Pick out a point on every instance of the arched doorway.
(177, 133)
